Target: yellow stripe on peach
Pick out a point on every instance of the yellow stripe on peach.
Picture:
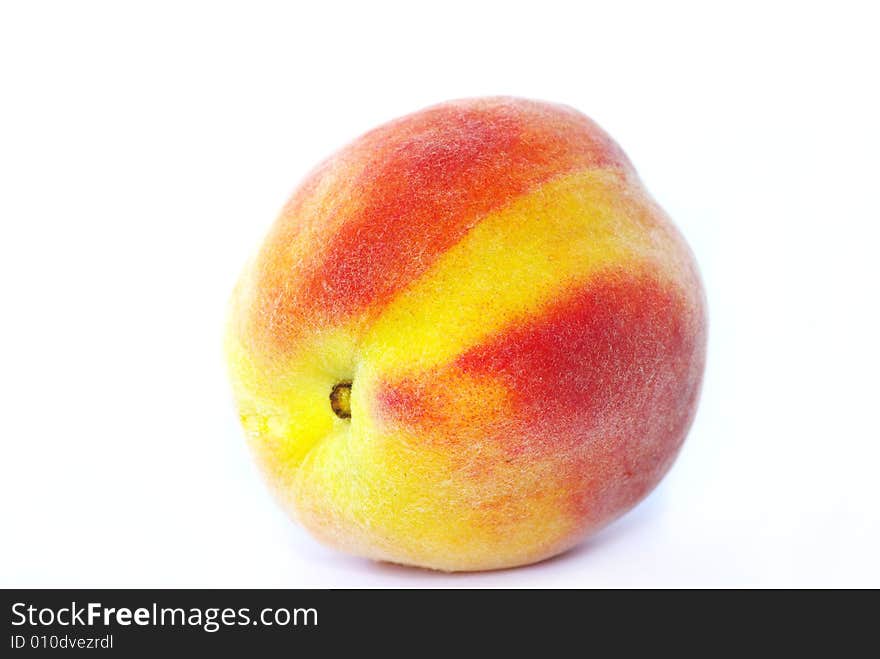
(514, 262)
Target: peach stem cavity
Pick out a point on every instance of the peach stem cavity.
(340, 400)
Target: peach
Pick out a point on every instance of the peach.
(470, 340)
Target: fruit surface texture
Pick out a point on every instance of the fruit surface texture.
(470, 340)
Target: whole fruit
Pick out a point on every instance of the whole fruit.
(470, 340)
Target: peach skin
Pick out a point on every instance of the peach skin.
(470, 340)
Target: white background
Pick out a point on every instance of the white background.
(145, 148)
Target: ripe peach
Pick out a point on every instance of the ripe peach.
(470, 340)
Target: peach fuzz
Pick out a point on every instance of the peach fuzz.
(470, 340)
